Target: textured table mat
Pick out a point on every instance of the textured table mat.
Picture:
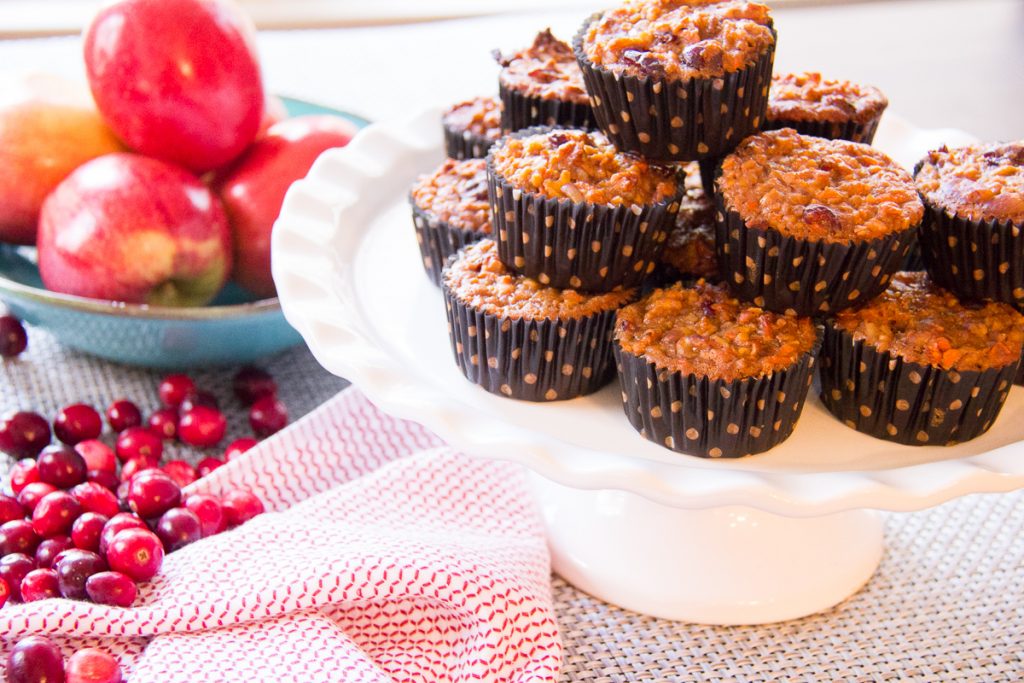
(947, 603)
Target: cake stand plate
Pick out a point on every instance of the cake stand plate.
(763, 538)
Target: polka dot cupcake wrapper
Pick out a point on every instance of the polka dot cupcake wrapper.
(887, 397)
(524, 111)
(531, 360)
(712, 418)
(855, 131)
(465, 144)
(438, 241)
(783, 273)
(677, 120)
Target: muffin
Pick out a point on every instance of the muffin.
(811, 225)
(516, 337)
(449, 211)
(689, 252)
(471, 127)
(833, 109)
(705, 374)
(572, 211)
(678, 80)
(971, 237)
(542, 85)
(916, 366)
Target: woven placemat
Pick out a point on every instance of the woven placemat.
(947, 602)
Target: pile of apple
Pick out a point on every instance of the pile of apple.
(168, 179)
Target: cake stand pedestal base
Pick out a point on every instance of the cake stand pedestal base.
(724, 565)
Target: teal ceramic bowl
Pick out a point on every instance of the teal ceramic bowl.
(235, 328)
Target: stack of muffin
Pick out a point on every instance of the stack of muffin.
(569, 252)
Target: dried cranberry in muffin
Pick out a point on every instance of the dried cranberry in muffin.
(826, 108)
(471, 127)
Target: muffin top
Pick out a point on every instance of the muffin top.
(478, 279)
(480, 115)
(923, 323)
(580, 166)
(978, 182)
(547, 70)
(816, 189)
(456, 193)
(809, 97)
(679, 39)
(702, 330)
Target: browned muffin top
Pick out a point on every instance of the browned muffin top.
(456, 193)
(679, 39)
(583, 167)
(478, 279)
(702, 330)
(480, 115)
(809, 97)
(817, 189)
(923, 323)
(547, 69)
(978, 182)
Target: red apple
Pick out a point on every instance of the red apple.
(49, 126)
(129, 228)
(253, 190)
(178, 80)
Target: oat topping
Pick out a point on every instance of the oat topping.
(679, 39)
(456, 193)
(809, 97)
(581, 166)
(480, 115)
(702, 330)
(481, 281)
(817, 189)
(923, 323)
(547, 70)
(978, 182)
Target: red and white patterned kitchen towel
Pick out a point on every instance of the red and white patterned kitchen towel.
(388, 557)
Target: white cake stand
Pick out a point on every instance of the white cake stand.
(765, 538)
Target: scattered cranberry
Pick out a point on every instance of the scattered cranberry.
(164, 423)
(177, 528)
(13, 569)
(35, 659)
(122, 414)
(198, 398)
(90, 665)
(97, 455)
(23, 434)
(77, 422)
(61, 466)
(24, 472)
(55, 514)
(174, 389)
(180, 471)
(50, 548)
(139, 442)
(111, 588)
(207, 465)
(209, 511)
(95, 498)
(152, 493)
(40, 584)
(73, 568)
(238, 446)
(137, 553)
(267, 416)
(252, 383)
(5, 592)
(10, 509)
(18, 536)
(241, 506)
(202, 427)
(134, 466)
(29, 496)
(117, 524)
(13, 338)
(108, 480)
(85, 532)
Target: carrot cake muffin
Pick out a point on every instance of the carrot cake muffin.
(971, 238)
(706, 374)
(812, 225)
(516, 337)
(917, 366)
(449, 210)
(542, 85)
(570, 210)
(678, 79)
(471, 127)
(826, 108)
(689, 251)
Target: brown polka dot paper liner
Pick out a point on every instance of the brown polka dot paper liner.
(438, 240)
(465, 144)
(712, 418)
(677, 120)
(854, 131)
(527, 359)
(523, 111)
(885, 396)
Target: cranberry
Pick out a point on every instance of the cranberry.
(13, 338)
(139, 442)
(118, 523)
(61, 466)
(73, 568)
(40, 584)
(35, 659)
(24, 472)
(77, 422)
(10, 509)
(111, 588)
(95, 498)
(180, 471)
(85, 532)
(207, 465)
(108, 480)
(97, 455)
(238, 446)
(134, 466)
(174, 389)
(177, 528)
(198, 398)
(55, 514)
(267, 416)
(90, 665)
(152, 493)
(164, 423)
(13, 569)
(50, 548)
(5, 592)
(33, 493)
(18, 536)
(122, 414)
(137, 553)
(202, 427)
(23, 434)
(209, 511)
(241, 506)
(252, 383)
